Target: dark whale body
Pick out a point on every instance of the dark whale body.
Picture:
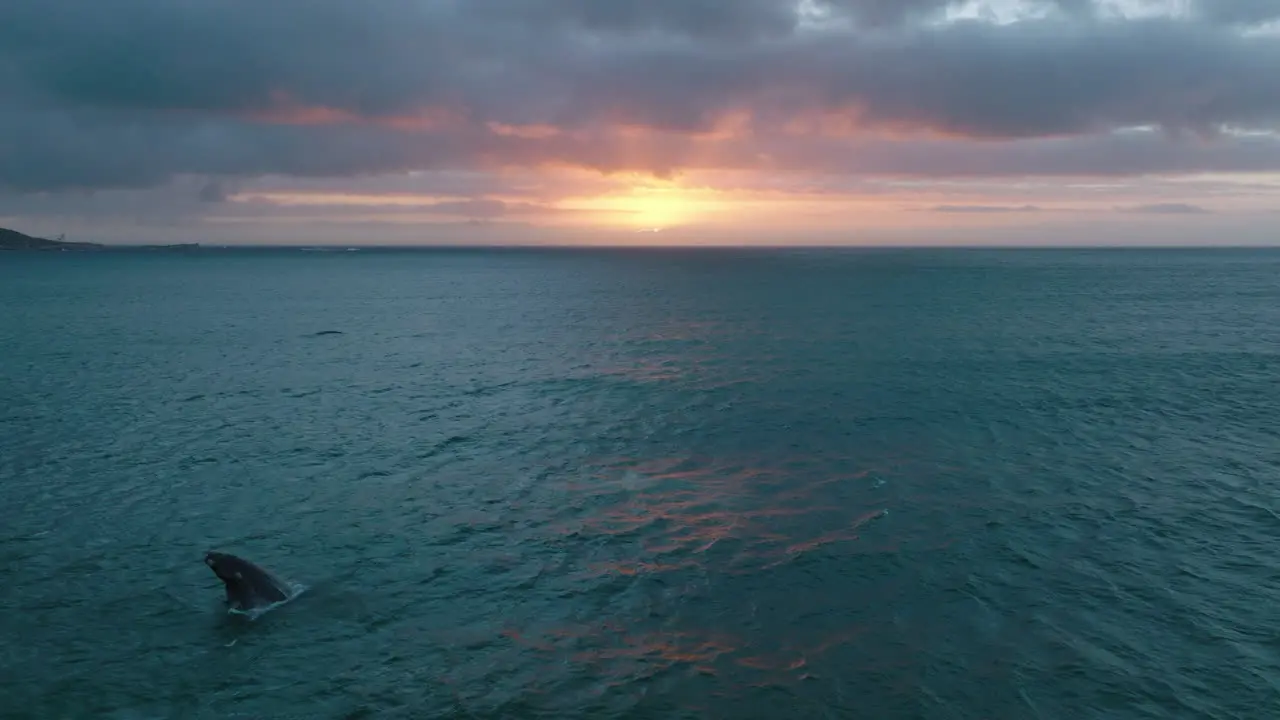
(249, 587)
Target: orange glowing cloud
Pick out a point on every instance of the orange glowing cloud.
(532, 132)
(285, 110)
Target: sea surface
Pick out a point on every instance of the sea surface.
(652, 484)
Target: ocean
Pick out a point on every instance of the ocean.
(642, 484)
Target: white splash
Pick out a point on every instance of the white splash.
(295, 589)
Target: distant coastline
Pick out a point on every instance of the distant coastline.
(12, 240)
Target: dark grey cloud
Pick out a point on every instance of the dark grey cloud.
(1110, 155)
(477, 208)
(213, 192)
(437, 183)
(1048, 78)
(1239, 12)
(705, 19)
(892, 13)
(87, 152)
(131, 93)
(228, 55)
(173, 203)
(882, 13)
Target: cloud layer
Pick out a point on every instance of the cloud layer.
(133, 93)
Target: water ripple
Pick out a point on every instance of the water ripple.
(961, 485)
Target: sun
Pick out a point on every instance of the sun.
(659, 208)
(654, 208)
(644, 208)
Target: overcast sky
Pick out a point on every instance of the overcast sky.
(646, 121)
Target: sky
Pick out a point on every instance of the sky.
(650, 122)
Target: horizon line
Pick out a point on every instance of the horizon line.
(1275, 245)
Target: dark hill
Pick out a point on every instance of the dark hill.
(14, 240)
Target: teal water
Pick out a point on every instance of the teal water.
(643, 484)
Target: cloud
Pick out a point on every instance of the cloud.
(882, 13)
(706, 19)
(213, 192)
(53, 156)
(1167, 209)
(481, 209)
(1238, 12)
(135, 93)
(488, 209)
(984, 208)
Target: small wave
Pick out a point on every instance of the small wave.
(30, 537)
(443, 445)
(489, 389)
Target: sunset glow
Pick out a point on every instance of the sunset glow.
(656, 207)
(759, 121)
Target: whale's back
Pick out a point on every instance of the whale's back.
(248, 585)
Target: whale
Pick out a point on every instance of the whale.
(250, 588)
